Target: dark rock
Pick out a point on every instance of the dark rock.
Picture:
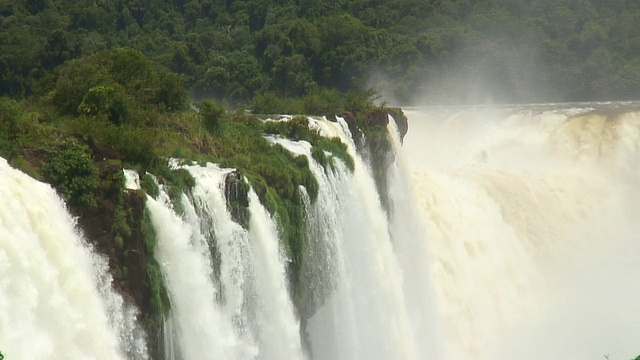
(401, 121)
(378, 117)
(236, 191)
(348, 117)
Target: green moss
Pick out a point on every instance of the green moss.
(148, 232)
(298, 129)
(119, 242)
(237, 198)
(178, 182)
(148, 184)
(121, 221)
(335, 148)
(159, 301)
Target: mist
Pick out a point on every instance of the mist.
(532, 229)
(483, 72)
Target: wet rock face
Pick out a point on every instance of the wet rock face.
(350, 119)
(378, 117)
(236, 192)
(401, 121)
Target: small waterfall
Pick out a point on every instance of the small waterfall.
(278, 328)
(203, 327)
(55, 293)
(239, 307)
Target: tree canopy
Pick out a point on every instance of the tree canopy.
(466, 50)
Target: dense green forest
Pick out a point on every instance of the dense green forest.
(448, 50)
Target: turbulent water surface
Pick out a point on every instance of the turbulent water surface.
(533, 226)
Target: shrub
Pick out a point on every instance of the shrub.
(70, 169)
(119, 77)
(213, 116)
(149, 185)
(9, 127)
(106, 100)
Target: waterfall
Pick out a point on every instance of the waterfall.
(364, 315)
(532, 227)
(56, 298)
(410, 242)
(196, 318)
(241, 310)
(509, 233)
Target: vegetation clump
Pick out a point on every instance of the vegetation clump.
(111, 82)
(70, 168)
(236, 191)
(324, 149)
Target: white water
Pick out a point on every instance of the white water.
(410, 242)
(365, 315)
(56, 298)
(522, 244)
(244, 312)
(533, 231)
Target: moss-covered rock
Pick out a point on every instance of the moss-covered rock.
(236, 191)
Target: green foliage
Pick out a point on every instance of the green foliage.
(237, 51)
(213, 116)
(237, 198)
(70, 169)
(335, 148)
(134, 144)
(319, 102)
(120, 225)
(297, 128)
(148, 232)
(324, 149)
(112, 82)
(149, 185)
(106, 100)
(9, 128)
(159, 300)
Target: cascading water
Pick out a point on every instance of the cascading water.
(56, 299)
(533, 226)
(410, 243)
(364, 315)
(522, 244)
(240, 311)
